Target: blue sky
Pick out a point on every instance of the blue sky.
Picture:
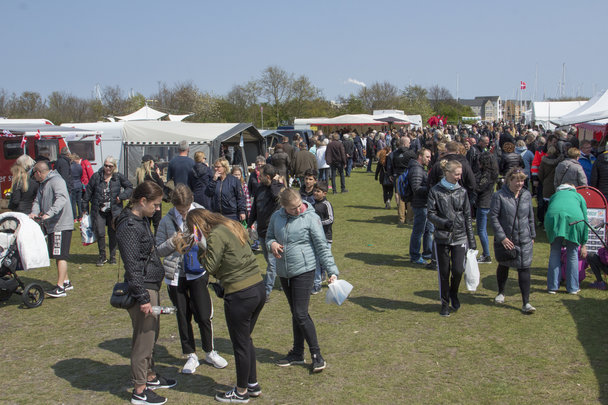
(73, 45)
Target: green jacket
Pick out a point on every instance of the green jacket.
(566, 206)
(233, 264)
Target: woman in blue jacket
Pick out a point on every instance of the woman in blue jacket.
(296, 238)
(226, 192)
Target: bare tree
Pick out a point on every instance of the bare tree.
(379, 96)
(437, 94)
(302, 93)
(276, 85)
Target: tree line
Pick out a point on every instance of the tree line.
(276, 97)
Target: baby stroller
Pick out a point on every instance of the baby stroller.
(31, 294)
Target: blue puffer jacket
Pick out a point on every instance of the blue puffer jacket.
(227, 197)
(303, 241)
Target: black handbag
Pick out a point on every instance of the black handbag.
(217, 289)
(121, 297)
(501, 253)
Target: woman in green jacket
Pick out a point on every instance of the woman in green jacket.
(566, 206)
(295, 237)
(225, 253)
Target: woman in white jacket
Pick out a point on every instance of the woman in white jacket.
(321, 163)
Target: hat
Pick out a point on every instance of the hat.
(146, 158)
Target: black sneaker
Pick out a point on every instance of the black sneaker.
(484, 259)
(147, 397)
(254, 391)
(432, 265)
(291, 359)
(112, 260)
(233, 396)
(344, 191)
(445, 310)
(67, 285)
(101, 261)
(455, 303)
(161, 382)
(56, 292)
(318, 364)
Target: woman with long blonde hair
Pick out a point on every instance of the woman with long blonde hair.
(225, 253)
(148, 171)
(23, 190)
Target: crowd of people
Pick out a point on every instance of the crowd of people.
(448, 183)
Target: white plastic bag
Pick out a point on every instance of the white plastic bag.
(86, 231)
(471, 271)
(338, 292)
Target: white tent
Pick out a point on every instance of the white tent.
(356, 120)
(592, 110)
(543, 112)
(143, 114)
(173, 117)
(160, 138)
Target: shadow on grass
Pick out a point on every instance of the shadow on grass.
(378, 259)
(262, 354)
(379, 219)
(377, 304)
(364, 207)
(122, 347)
(91, 375)
(588, 314)
(466, 297)
(81, 258)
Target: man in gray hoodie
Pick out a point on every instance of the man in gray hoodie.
(52, 206)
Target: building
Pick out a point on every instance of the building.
(486, 107)
(513, 110)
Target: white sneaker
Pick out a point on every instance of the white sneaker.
(215, 359)
(191, 364)
(528, 309)
(500, 299)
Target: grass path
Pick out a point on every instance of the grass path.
(387, 344)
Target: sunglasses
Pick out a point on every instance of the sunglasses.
(109, 166)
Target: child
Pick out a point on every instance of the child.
(306, 191)
(325, 211)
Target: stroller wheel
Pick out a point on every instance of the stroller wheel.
(33, 295)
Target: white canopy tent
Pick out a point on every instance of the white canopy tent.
(356, 120)
(593, 110)
(143, 114)
(543, 112)
(177, 118)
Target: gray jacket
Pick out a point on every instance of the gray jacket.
(569, 171)
(53, 200)
(502, 218)
(173, 260)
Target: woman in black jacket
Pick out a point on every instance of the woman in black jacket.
(449, 210)
(226, 192)
(512, 219)
(509, 158)
(384, 178)
(23, 189)
(199, 178)
(144, 273)
(106, 191)
(486, 180)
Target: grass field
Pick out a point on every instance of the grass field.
(387, 344)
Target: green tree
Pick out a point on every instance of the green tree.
(276, 86)
(414, 100)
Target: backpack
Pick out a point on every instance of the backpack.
(403, 185)
(191, 263)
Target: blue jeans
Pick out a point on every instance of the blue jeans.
(271, 267)
(369, 165)
(349, 166)
(553, 273)
(319, 271)
(323, 174)
(423, 230)
(482, 229)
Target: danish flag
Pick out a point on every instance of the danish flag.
(23, 142)
(97, 139)
(522, 85)
(37, 136)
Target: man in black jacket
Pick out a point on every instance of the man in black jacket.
(468, 177)
(335, 156)
(265, 203)
(349, 149)
(63, 166)
(418, 192)
(397, 163)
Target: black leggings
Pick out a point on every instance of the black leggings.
(523, 278)
(387, 192)
(297, 290)
(191, 297)
(450, 261)
(242, 309)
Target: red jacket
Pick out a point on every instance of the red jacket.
(87, 171)
(538, 157)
